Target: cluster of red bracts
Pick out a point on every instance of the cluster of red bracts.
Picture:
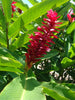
(69, 16)
(40, 42)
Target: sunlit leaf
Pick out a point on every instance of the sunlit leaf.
(7, 9)
(29, 15)
(71, 28)
(53, 94)
(21, 40)
(66, 62)
(22, 88)
(33, 2)
(71, 52)
(6, 61)
(57, 91)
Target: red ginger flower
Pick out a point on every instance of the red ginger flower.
(69, 16)
(40, 43)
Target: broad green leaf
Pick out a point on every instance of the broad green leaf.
(53, 94)
(50, 54)
(33, 2)
(22, 88)
(10, 69)
(71, 28)
(66, 62)
(71, 52)
(59, 89)
(29, 16)
(7, 9)
(6, 61)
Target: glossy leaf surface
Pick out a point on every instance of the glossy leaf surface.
(22, 88)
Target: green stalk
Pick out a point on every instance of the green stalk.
(67, 46)
(7, 36)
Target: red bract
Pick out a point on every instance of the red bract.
(40, 42)
(19, 10)
(13, 6)
(69, 16)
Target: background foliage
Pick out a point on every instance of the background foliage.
(52, 78)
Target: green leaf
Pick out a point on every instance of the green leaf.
(7, 9)
(5, 52)
(71, 28)
(63, 10)
(2, 38)
(71, 52)
(53, 94)
(6, 61)
(2, 20)
(20, 6)
(18, 43)
(10, 69)
(21, 40)
(66, 62)
(29, 16)
(60, 91)
(70, 85)
(63, 25)
(50, 54)
(22, 88)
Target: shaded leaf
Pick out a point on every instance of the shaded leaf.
(64, 9)
(50, 54)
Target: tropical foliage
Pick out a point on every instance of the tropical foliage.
(37, 50)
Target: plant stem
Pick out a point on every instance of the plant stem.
(7, 36)
(74, 37)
